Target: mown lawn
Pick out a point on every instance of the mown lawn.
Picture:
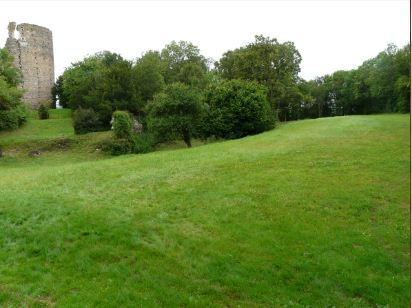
(313, 213)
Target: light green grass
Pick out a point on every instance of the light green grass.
(54, 138)
(314, 213)
(58, 126)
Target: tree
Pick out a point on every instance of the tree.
(12, 111)
(11, 75)
(380, 84)
(340, 87)
(148, 79)
(58, 93)
(175, 113)
(403, 81)
(382, 80)
(102, 82)
(237, 108)
(403, 91)
(184, 63)
(314, 97)
(272, 64)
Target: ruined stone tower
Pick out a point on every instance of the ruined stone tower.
(33, 55)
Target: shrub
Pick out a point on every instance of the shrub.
(85, 120)
(143, 143)
(138, 144)
(122, 125)
(118, 146)
(237, 108)
(13, 118)
(43, 112)
(13, 113)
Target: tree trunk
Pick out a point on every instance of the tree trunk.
(186, 138)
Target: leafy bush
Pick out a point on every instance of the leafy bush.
(122, 125)
(43, 112)
(125, 141)
(118, 146)
(13, 118)
(85, 120)
(237, 108)
(143, 143)
(12, 111)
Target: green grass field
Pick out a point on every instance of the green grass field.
(314, 213)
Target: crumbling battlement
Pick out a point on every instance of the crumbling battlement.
(33, 55)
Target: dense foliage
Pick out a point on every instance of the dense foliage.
(379, 85)
(12, 111)
(237, 108)
(118, 146)
(86, 120)
(148, 79)
(59, 94)
(163, 83)
(122, 125)
(143, 143)
(101, 82)
(175, 113)
(184, 63)
(43, 112)
(272, 64)
(125, 139)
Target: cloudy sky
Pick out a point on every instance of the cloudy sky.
(330, 35)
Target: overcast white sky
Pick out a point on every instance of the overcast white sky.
(330, 35)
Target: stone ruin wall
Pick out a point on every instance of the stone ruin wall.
(33, 55)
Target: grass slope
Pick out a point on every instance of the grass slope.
(53, 138)
(58, 125)
(313, 213)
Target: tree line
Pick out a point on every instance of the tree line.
(179, 93)
(379, 85)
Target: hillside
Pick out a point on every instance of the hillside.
(315, 212)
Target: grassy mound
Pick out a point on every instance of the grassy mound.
(53, 140)
(314, 213)
(59, 125)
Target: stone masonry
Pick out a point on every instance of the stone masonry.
(33, 55)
